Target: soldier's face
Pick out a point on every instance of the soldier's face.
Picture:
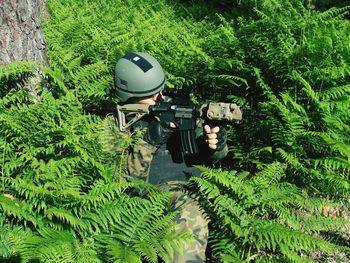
(150, 100)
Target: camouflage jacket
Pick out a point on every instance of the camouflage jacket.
(160, 165)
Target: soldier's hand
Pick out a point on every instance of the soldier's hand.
(215, 137)
(156, 134)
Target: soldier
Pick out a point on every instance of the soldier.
(157, 158)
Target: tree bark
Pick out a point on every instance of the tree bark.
(21, 37)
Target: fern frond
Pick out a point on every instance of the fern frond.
(269, 176)
(281, 194)
(273, 236)
(18, 210)
(17, 68)
(318, 223)
(335, 13)
(335, 93)
(332, 163)
(67, 217)
(121, 253)
(49, 246)
(290, 159)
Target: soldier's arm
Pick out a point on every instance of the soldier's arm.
(137, 151)
(139, 160)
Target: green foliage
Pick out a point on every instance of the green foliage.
(262, 216)
(14, 76)
(85, 42)
(62, 198)
(287, 61)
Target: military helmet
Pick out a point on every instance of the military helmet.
(138, 75)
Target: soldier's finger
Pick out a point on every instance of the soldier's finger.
(215, 129)
(212, 146)
(212, 141)
(207, 128)
(212, 136)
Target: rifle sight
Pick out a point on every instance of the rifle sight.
(178, 92)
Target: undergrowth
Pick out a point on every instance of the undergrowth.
(281, 195)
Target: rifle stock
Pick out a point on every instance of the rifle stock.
(137, 111)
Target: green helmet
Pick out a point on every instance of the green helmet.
(138, 75)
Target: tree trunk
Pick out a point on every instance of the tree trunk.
(21, 37)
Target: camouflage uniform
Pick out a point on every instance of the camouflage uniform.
(144, 161)
(191, 219)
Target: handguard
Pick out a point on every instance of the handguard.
(220, 111)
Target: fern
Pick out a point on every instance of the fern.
(65, 167)
(266, 220)
(65, 195)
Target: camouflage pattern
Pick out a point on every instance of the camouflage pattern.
(139, 160)
(193, 220)
(191, 217)
(141, 155)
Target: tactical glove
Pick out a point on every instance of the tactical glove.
(156, 134)
(222, 139)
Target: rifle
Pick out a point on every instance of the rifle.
(182, 112)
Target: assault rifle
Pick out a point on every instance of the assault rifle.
(179, 109)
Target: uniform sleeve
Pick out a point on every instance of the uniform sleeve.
(139, 160)
(218, 155)
(139, 153)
